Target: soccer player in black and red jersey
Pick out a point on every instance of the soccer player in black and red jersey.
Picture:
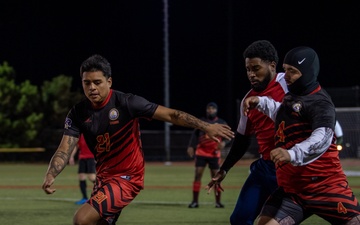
(207, 152)
(109, 121)
(308, 169)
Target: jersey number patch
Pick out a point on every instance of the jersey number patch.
(103, 143)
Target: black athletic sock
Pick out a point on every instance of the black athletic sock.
(83, 188)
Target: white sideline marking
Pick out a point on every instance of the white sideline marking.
(133, 202)
(352, 173)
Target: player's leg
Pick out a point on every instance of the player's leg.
(265, 220)
(260, 183)
(354, 221)
(82, 181)
(86, 214)
(248, 204)
(333, 200)
(91, 170)
(200, 164)
(91, 177)
(108, 200)
(214, 165)
(281, 209)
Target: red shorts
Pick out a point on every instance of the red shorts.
(111, 196)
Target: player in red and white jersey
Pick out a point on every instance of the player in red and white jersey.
(310, 176)
(109, 121)
(261, 60)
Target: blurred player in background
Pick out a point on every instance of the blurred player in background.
(86, 168)
(207, 152)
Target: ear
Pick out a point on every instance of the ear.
(272, 66)
(109, 80)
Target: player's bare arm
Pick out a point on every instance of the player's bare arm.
(59, 161)
(184, 119)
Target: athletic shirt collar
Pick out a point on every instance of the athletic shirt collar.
(104, 102)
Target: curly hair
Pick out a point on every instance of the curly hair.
(262, 49)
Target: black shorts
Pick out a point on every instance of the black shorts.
(201, 161)
(87, 166)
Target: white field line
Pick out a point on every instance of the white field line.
(352, 173)
(74, 200)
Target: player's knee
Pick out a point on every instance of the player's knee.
(266, 220)
(354, 221)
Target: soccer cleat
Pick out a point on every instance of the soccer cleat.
(194, 205)
(81, 201)
(219, 205)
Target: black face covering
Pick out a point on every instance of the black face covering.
(307, 62)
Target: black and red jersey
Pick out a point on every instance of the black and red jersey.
(112, 132)
(204, 145)
(297, 118)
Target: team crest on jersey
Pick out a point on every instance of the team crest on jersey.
(68, 123)
(297, 107)
(113, 114)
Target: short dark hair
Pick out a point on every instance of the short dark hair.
(262, 49)
(96, 63)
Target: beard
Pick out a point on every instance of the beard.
(263, 84)
(211, 116)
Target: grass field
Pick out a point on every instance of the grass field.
(163, 201)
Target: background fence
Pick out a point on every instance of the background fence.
(349, 119)
(154, 142)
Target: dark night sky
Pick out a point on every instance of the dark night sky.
(43, 39)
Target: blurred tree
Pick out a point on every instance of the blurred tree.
(26, 114)
(57, 99)
(7, 71)
(20, 116)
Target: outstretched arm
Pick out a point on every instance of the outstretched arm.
(264, 104)
(184, 119)
(237, 151)
(59, 161)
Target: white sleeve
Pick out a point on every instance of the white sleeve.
(268, 106)
(338, 129)
(312, 148)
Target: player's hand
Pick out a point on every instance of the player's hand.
(215, 130)
(190, 151)
(250, 103)
(216, 181)
(48, 181)
(221, 145)
(280, 155)
(71, 161)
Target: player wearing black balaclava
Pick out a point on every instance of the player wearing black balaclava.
(306, 60)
